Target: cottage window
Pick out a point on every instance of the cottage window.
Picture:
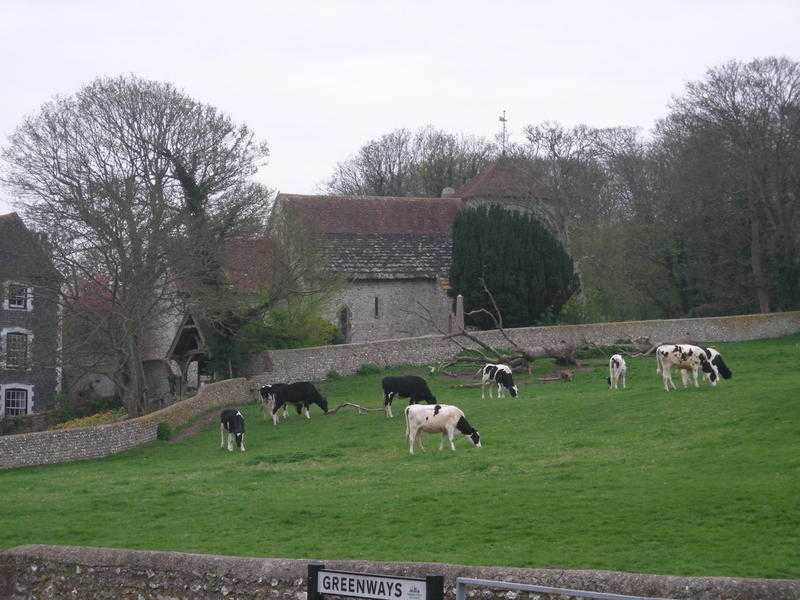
(15, 402)
(377, 308)
(16, 350)
(17, 297)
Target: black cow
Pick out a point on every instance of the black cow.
(300, 394)
(232, 423)
(407, 386)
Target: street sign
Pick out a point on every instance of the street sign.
(325, 582)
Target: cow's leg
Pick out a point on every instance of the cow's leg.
(695, 371)
(305, 411)
(411, 436)
(242, 442)
(684, 377)
(419, 439)
(499, 391)
(441, 444)
(285, 411)
(450, 434)
(221, 435)
(666, 377)
(623, 379)
(230, 442)
(275, 408)
(483, 385)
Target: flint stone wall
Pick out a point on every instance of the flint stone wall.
(49, 572)
(304, 364)
(51, 447)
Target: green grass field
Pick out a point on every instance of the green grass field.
(695, 482)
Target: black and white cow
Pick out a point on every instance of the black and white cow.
(686, 357)
(406, 386)
(617, 370)
(501, 375)
(440, 418)
(268, 392)
(300, 394)
(232, 423)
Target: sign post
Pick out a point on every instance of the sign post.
(325, 582)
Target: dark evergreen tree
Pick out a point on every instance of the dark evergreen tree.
(525, 267)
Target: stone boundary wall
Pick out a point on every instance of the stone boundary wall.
(49, 572)
(51, 447)
(313, 363)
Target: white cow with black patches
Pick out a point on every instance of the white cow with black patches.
(440, 418)
(686, 357)
(617, 371)
(499, 374)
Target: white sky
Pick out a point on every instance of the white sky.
(318, 79)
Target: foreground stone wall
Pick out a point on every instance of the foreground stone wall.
(313, 363)
(50, 447)
(49, 572)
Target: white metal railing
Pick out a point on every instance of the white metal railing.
(463, 582)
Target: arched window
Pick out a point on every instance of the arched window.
(344, 322)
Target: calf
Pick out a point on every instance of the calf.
(687, 358)
(300, 394)
(232, 423)
(617, 369)
(440, 418)
(501, 375)
(407, 386)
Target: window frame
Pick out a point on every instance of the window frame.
(7, 297)
(28, 388)
(4, 348)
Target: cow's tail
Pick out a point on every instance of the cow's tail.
(659, 366)
(408, 422)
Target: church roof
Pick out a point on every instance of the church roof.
(504, 178)
(380, 237)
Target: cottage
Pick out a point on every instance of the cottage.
(30, 326)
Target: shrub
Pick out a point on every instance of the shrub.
(164, 431)
(368, 369)
(332, 375)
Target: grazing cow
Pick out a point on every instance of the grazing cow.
(232, 423)
(688, 359)
(715, 358)
(617, 369)
(268, 392)
(300, 394)
(440, 418)
(406, 386)
(501, 375)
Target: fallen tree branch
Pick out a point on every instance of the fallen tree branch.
(360, 409)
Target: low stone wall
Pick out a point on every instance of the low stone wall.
(50, 572)
(313, 363)
(50, 447)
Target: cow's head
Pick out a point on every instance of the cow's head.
(475, 438)
(323, 404)
(708, 369)
(608, 381)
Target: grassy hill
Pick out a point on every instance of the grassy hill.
(696, 482)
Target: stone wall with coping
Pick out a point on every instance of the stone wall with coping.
(51, 447)
(313, 363)
(50, 572)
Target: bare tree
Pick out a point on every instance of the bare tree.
(111, 174)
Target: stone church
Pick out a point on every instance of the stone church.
(395, 252)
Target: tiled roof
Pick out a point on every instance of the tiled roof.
(376, 214)
(387, 256)
(380, 237)
(505, 177)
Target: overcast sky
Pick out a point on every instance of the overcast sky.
(318, 79)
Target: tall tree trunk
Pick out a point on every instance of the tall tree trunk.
(756, 255)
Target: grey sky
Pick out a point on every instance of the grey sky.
(318, 79)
